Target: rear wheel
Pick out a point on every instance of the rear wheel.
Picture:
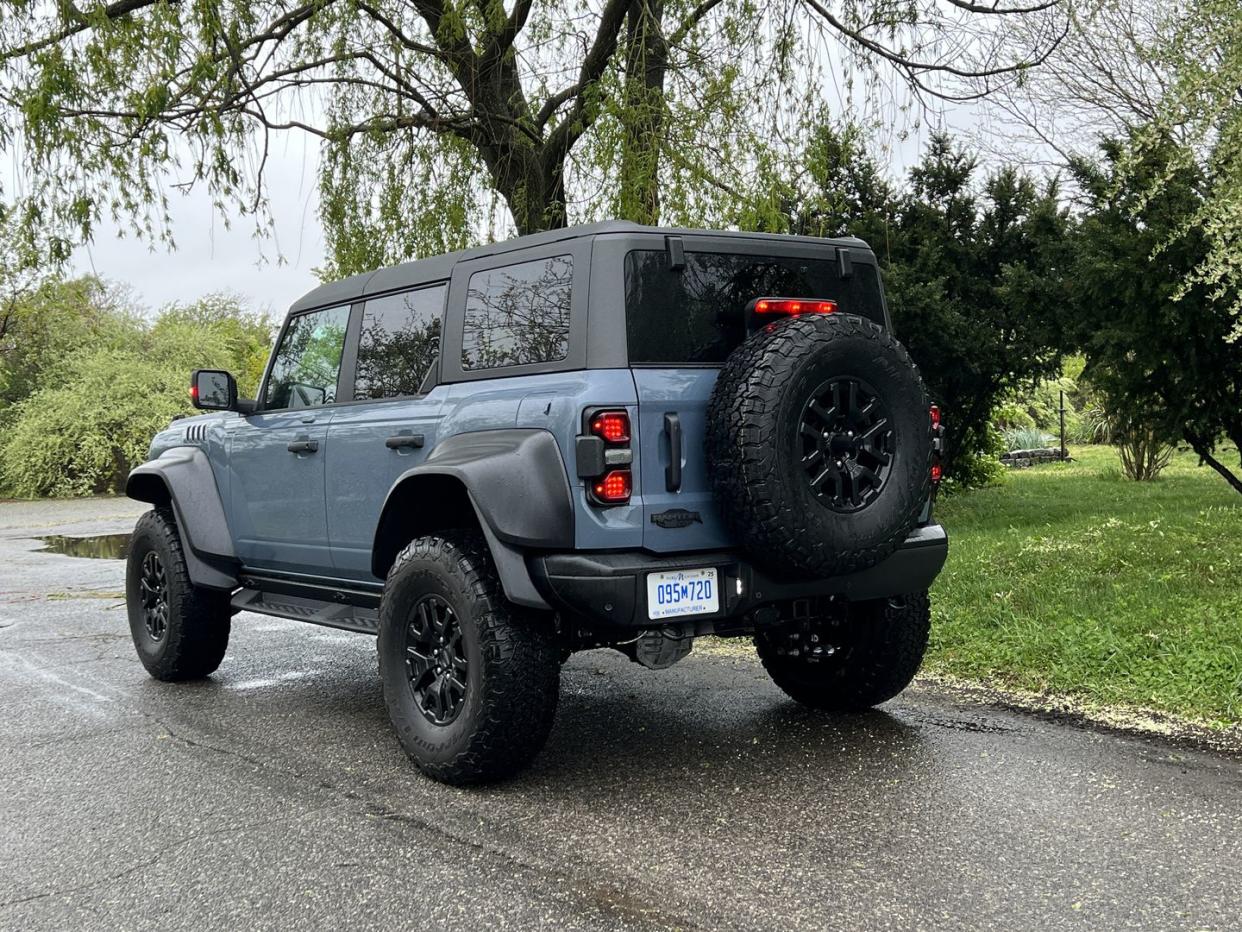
(470, 681)
(180, 630)
(860, 658)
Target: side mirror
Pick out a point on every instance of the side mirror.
(213, 390)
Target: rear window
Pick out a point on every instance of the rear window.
(696, 314)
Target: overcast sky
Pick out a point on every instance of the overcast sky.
(270, 273)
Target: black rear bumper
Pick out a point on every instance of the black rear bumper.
(609, 588)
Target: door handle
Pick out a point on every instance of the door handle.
(672, 472)
(399, 441)
(303, 445)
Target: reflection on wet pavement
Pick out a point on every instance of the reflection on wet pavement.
(99, 547)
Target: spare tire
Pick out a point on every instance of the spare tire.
(819, 445)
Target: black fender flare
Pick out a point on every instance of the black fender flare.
(517, 484)
(182, 478)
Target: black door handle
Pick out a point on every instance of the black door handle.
(672, 472)
(398, 441)
(303, 445)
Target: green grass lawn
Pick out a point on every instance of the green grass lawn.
(1071, 579)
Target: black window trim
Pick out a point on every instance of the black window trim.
(353, 339)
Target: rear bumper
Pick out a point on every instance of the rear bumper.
(609, 588)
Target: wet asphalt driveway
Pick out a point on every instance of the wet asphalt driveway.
(274, 795)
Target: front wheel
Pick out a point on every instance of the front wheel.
(470, 681)
(859, 658)
(180, 630)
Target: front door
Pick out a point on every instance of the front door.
(276, 489)
(391, 424)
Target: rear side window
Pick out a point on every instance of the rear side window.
(308, 360)
(398, 342)
(518, 314)
(697, 314)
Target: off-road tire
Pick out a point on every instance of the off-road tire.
(513, 664)
(198, 620)
(754, 452)
(878, 647)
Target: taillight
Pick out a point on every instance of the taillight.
(793, 306)
(611, 426)
(604, 457)
(614, 487)
(937, 432)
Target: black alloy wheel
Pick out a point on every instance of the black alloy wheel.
(154, 584)
(436, 663)
(846, 438)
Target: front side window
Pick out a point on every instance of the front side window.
(518, 314)
(308, 360)
(398, 343)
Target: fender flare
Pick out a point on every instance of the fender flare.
(182, 477)
(518, 486)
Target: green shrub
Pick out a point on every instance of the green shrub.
(1027, 438)
(95, 392)
(82, 436)
(980, 469)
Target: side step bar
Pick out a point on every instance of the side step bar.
(363, 619)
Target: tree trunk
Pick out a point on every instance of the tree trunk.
(643, 110)
(1201, 448)
(530, 180)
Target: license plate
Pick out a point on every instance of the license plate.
(685, 592)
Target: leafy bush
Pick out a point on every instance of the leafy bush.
(978, 469)
(90, 411)
(83, 436)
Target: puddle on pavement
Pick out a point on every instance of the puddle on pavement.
(99, 547)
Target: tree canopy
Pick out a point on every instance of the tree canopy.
(442, 117)
(1158, 349)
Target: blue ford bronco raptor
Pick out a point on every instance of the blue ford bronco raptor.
(605, 436)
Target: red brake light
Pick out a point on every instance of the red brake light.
(935, 415)
(612, 426)
(194, 392)
(794, 306)
(936, 472)
(614, 487)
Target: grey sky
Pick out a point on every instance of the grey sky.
(213, 257)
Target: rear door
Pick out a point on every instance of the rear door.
(391, 420)
(681, 325)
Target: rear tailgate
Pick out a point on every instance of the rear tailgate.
(684, 315)
(678, 511)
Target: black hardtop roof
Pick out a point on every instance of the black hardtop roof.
(439, 268)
